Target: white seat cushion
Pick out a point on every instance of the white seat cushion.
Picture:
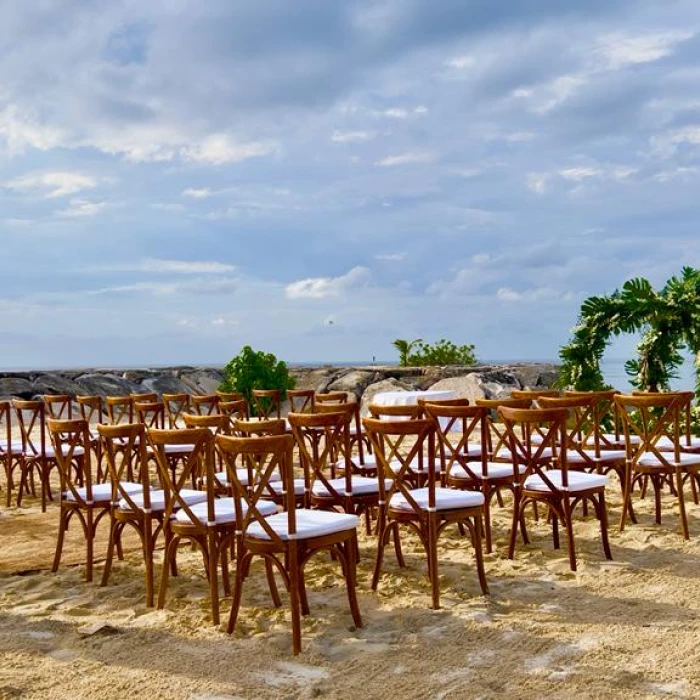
(473, 451)
(299, 487)
(665, 444)
(222, 477)
(445, 499)
(173, 449)
(361, 486)
(51, 453)
(578, 481)
(649, 459)
(617, 442)
(310, 523)
(103, 492)
(15, 445)
(224, 511)
(575, 457)
(190, 496)
(395, 465)
(494, 470)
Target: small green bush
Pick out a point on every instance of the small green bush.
(443, 352)
(254, 369)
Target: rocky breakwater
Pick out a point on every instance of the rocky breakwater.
(478, 381)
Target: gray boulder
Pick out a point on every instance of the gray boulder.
(165, 384)
(316, 378)
(105, 385)
(202, 381)
(51, 383)
(480, 385)
(16, 387)
(354, 382)
(378, 387)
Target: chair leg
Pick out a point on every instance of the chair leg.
(90, 537)
(62, 527)
(658, 485)
(148, 544)
(351, 579)
(433, 559)
(681, 504)
(110, 552)
(168, 556)
(566, 503)
(479, 556)
(517, 518)
(295, 584)
(238, 591)
(382, 541)
(602, 512)
(277, 601)
(397, 545)
(626, 496)
(487, 520)
(555, 528)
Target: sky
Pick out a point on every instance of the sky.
(179, 178)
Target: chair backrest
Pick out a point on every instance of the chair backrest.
(59, 406)
(331, 397)
(6, 433)
(606, 415)
(265, 459)
(548, 450)
(31, 417)
(218, 423)
(226, 396)
(402, 444)
(685, 399)
(267, 403)
(120, 409)
(150, 413)
(71, 443)
(409, 411)
(444, 402)
(582, 427)
(197, 467)
(124, 451)
(205, 404)
(652, 418)
(496, 436)
(302, 400)
(90, 408)
(249, 428)
(146, 397)
(323, 438)
(234, 409)
(534, 394)
(457, 427)
(175, 406)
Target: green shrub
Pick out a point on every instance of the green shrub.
(444, 352)
(254, 369)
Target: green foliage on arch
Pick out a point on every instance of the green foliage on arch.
(669, 320)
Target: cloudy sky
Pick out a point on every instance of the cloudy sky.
(179, 178)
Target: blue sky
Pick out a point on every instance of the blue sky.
(179, 178)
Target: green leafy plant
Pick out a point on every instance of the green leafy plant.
(669, 320)
(443, 352)
(254, 369)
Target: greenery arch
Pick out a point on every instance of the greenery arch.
(669, 320)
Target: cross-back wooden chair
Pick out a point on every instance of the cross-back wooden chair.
(323, 440)
(688, 442)
(119, 410)
(10, 450)
(427, 510)
(37, 455)
(331, 397)
(610, 431)
(90, 409)
(301, 400)
(461, 430)
(208, 523)
(124, 450)
(175, 406)
(218, 424)
(58, 406)
(228, 396)
(234, 409)
(205, 404)
(497, 443)
(267, 403)
(547, 479)
(81, 496)
(288, 539)
(150, 413)
(534, 394)
(655, 419)
(143, 397)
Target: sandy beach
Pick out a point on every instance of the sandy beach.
(620, 629)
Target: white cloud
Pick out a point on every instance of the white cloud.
(537, 182)
(580, 174)
(396, 113)
(481, 258)
(78, 208)
(197, 192)
(219, 149)
(351, 136)
(179, 267)
(405, 159)
(52, 184)
(618, 51)
(461, 62)
(393, 257)
(538, 294)
(324, 287)
(559, 90)
(676, 173)
(21, 128)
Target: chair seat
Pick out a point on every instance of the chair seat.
(494, 470)
(173, 449)
(665, 444)
(278, 487)
(472, 451)
(222, 477)
(370, 462)
(360, 485)
(445, 499)
(50, 453)
(190, 496)
(576, 457)
(224, 511)
(103, 492)
(578, 481)
(15, 445)
(310, 523)
(414, 465)
(617, 442)
(687, 459)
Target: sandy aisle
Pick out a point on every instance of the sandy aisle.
(627, 628)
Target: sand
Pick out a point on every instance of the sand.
(621, 629)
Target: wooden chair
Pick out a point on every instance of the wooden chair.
(288, 539)
(58, 406)
(547, 478)
(655, 419)
(459, 428)
(228, 396)
(205, 404)
(120, 409)
(534, 394)
(145, 397)
(427, 510)
(10, 450)
(234, 410)
(218, 424)
(497, 444)
(301, 400)
(175, 406)
(267, 403)
(150, 413)
(80, 496)
(37, 455)
(208, 524)
(124, 449)
(331, 397)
